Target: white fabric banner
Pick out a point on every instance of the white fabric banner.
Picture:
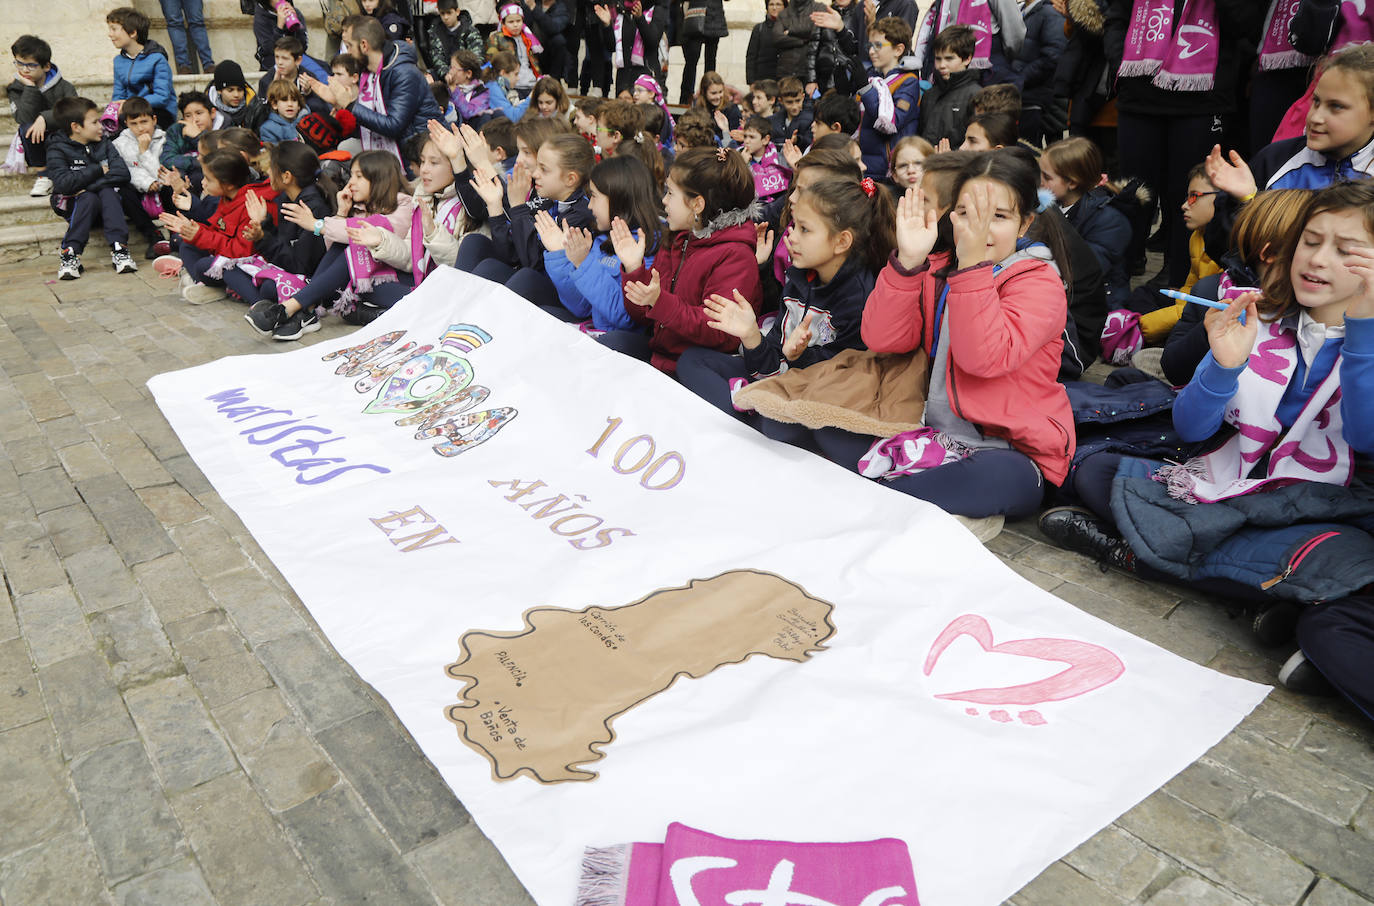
(903, 681)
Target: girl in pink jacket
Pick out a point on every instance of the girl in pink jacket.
(991, 316)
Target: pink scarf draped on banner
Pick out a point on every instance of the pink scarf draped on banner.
(1181, 59)
(370, 96)
(976, 14)
(365, 271)
(1312, 449)
(446, 217)
(692, 866)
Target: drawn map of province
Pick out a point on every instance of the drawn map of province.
(542, 699)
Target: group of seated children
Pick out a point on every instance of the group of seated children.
(740, 253)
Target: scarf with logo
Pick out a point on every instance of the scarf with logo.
(1179, 59)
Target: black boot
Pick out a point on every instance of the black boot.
(1077, 529)
(1277, 625)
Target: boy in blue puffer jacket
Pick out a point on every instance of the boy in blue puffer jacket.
(140, 68)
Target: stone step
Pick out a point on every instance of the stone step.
(27, 241)
(99, 90)
(21, 210)
(12, 185)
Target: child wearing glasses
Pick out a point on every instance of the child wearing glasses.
(37, 86)
(1199, 206)
(891, 96)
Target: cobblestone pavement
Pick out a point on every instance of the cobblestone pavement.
(174, 729)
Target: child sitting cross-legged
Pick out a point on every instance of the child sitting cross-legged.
(140, 144)
(771, 173)
(840, 237)
(357, 269)
(583, 265)
(286, 102)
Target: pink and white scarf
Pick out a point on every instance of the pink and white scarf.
(365, 271)
(1276, 48)
(692, 866)
(911, 452)
(261, 270)
(1179, 59)
(771, 173)
(370, 96)
(637, 48)
(446, 217)
(1313, 449)
(976, 14)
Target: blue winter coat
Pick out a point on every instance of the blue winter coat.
(147, 75)
(1032, 68)
(875, 145)
(409, 103)
(1107, 232)
(277, 129)
(592, 289)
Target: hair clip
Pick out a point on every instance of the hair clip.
(721, 154)
(639, 138)
(868, 186)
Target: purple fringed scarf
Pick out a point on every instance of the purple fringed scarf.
(693, 867)
(1276, 49)
(1181, 59)
(976, 14)
(257, 267)
(365, 271)
(446, 217)
(1354, 25)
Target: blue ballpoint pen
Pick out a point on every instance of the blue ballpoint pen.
(1210, 303)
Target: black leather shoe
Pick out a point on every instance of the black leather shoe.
(1278, 625)
(1077, 529)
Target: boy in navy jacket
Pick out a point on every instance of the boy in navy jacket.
(87, 174)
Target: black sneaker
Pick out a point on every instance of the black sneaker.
(297, 326)
(68, 265)
(121, 260)
(1077, 529)
(1300, 675)
(265, 316)
(1277, 625)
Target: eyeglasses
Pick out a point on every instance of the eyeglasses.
(1193, 197)
(879, 43)
(601, 130)
(20, 64)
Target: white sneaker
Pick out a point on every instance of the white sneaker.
(984, 529)
(68, 265)
(121, 260)
(201, 293)
(41, 186)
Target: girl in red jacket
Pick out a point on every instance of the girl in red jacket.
(708, 202)
(226, 177)
(997, 423)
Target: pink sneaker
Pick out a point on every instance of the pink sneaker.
(167, 265)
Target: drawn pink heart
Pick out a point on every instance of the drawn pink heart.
(1089, 666)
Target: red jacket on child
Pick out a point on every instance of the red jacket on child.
(689, 270)
(1005, 337)
(222, 233)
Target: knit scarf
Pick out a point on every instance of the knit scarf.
(1354, 25)
(370, 96)
(650, 84)
(771, 173)
(976, 14)
(446, 216)
(365, 271)
(1276, 49)
(1179, 59)
(886, 121)
(1313, 449)
(637, 49)
(692, 866)
(532, 45)
(261, 270)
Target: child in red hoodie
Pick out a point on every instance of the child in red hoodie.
(228, 177)
(997, 423)
(708, 200)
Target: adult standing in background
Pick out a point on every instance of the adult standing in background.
(549, 20)
(703, 25)
(273, 19)
(483, 14)
(185, 16)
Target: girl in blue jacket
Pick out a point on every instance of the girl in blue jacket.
(583, 266)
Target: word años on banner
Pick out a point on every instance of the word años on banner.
(301, 441)
(624, 463)
(570, 525)
(429, 388)
(423, 537)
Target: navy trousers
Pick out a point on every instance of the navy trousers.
(103, 207)
(1338, 638)
(708, 372)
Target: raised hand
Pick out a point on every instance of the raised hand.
(518, 189)
(255, 207)
(1231, 176)
(825, 17)
(182, 200)
(365, 235)
(944, 146)
(603, 14)
(252, 231)
(871, 11)
(734, 317)
(576, 244)
(643, 294)
(427, 217)
(299, 214)
(550, 233)
(474, 146)
(487, 184)
(343, 201)
(763, 246)
(972, 219)
(917, 229)
(1230, 340)
(629, 247)
(798, 339)
(791, 153)
(448, 143)
(722, 122)
(1360, 262)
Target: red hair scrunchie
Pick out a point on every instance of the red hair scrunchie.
(868, 185)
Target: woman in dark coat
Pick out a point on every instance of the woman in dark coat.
(713, 28)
